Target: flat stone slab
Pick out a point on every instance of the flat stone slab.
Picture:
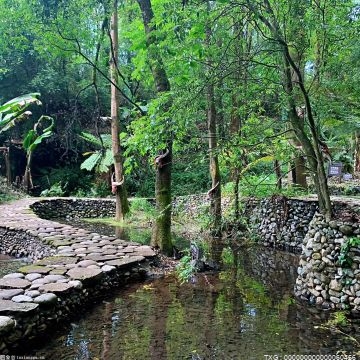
(125, 261)
(8, 294)
(46, 299)
(8, 307)
(35, 269)
(14, 283)
(55, 288)
(57, 260)
(14, 276)
(146, 251)
(85, 274)
(101, 258)
(22, 299)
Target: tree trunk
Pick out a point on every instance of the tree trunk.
(215, 191)
(357, 152)
(161, 234)
(122, 205)
(277, 171)
(310, 143)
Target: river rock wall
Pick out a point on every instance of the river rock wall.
(279, 222)
(74, 208)
(329, 267)
(22, 244)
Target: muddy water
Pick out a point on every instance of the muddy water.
(243, 312)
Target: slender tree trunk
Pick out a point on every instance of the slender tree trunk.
(122, 205)
(28, 184)
(277, 171)
(161, 234)
(215, 191)
(357, 152)
(310, 143)
(8, 166)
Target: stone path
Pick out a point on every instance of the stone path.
(79, 259)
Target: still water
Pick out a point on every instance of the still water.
(244, 312)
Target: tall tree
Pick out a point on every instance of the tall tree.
(161, 235)
(215, 191)
(310, 141)
(118, 184)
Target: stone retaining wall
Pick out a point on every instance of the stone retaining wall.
(22, 244)
(324, 277)
(22, 323)
(279, 222)
(74, 208)
(328, 275)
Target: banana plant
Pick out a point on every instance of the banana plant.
(32, 140)
(99, 160)
(14, 110)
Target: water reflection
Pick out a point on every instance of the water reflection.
(243, 312)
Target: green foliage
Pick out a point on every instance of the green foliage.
(70, 179)
(227, 256)
(55, 190)
(34, 137)
(99, 160)
(14, 110)
(185, 269)
(345, 260)
(338, 318)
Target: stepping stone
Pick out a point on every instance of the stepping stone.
(57, 260)
(59, 271)
(77, 284)
(108, 268)
(85, 275)
(125, 261)
(14, 276)
(55, 288)
(33, 276)
(35, 269)
(8, 307)
(14, 283)
(22, 299)
(46, 299)
(146, 251)
(54, 278)
(32, 293)
(8, 294)
(99, 257)
(6, 324)
(86, 263)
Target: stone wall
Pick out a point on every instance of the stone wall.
(41, 317)
(22, 244)
(281, 223)
(73, 208)
(324, 277)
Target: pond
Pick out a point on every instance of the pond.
(245, 311)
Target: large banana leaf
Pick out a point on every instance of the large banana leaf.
(15, 110)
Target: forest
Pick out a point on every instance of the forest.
(161, 98)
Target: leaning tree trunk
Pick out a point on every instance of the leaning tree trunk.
(310, 143)
(118, 184)
(161, 234)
